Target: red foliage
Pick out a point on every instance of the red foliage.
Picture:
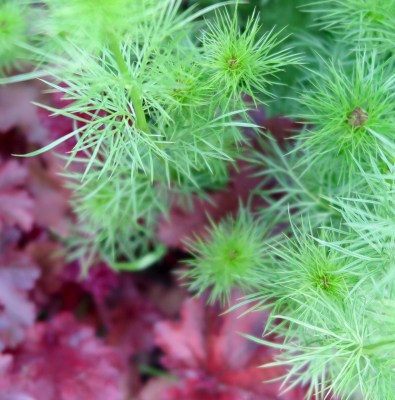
(212, 360)
(18, 275)
(62, 360)
(129, 316)
(18, 112)
(123, 311)
(51, 198)
(58, 126)
(47, 255)
(100, 280)
(16, 205)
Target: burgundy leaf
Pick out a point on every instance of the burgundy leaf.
(51, 198)
(50, 258)
(18, 275)
(17, 110)
(213, 361)
(129, 317)
(125, 312)
(62, 360)
(101, 282)
(60, 125)
(16, 205)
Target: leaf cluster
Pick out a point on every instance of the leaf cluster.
(155, 94)
(332, 308)
(13, 32)
(368, 23)
(350, 116)
(328, 281)
(330, 288)
(231, 254)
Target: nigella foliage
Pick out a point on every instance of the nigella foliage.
(361, 22)
(13, 32)
(337, 141)
(288, 188)
(92, 23)
(328, 283)
(319, 306)
(369, 217)
(156, 97)
(350, 115)
(340, 352)
(231, 255)
(103, 202)
(324, 299)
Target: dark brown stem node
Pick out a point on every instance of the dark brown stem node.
(357, 118)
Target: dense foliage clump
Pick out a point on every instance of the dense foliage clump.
(164, 106)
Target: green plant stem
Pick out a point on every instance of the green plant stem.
(134, 93)
(155, 372)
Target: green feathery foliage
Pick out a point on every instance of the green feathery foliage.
(302, 275)
(147, 98)
(369, 230)
(350, 117)
(116, 214)
(368, 23)
(295, 191)
(93, 23)
(13, 33)
(232, 255)
(155, 107)
(324, 292)
(323, 303)
(241, 62)
(156, 92)
(329, 285)
(372, 214)
(341, 352)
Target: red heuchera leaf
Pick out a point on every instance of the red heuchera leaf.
(126, 312)
(101, 282)
(58, 126)
(9, 237)
(48, 256)
(167, 299)
(213, 361)
(17, 110)
(16, 204)
(17, 276)
(155, 388)
(12, 142)
(62, 360)
(51, 198)
(129, 318)
(280, 127)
